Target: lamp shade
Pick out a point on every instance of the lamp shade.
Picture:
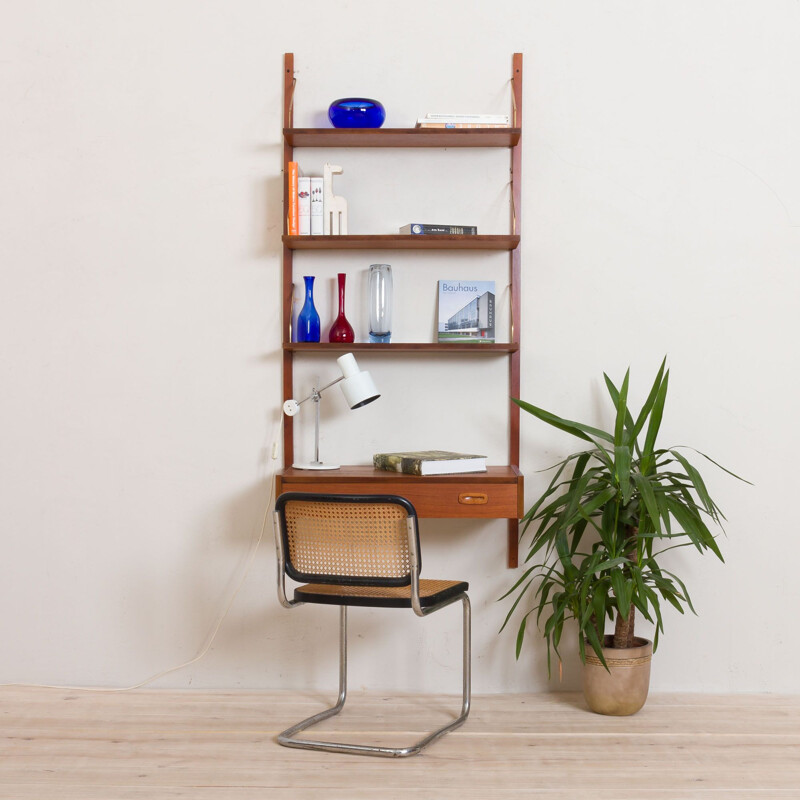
(358, 387)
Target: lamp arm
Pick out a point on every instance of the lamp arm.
(315, 393)
(328, 385)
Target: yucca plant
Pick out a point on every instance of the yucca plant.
(601, 526)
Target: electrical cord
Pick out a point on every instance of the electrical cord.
(213, 635)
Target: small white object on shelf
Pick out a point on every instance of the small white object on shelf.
(335, 207)
(317, 215)
(304, 206)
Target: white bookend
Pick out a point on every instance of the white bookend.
(304, 206)
(335, 206)
(317, 206)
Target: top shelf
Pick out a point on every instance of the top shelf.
(401, 137)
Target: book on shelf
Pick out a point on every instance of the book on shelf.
(458, 125)
(424, 229)
(429, 462)
(316, 207)
(293, 211)
(464, 121)
(494, 118)
(304, 206)
(466, 312)
(305, 214)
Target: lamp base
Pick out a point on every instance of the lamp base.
(315, 465)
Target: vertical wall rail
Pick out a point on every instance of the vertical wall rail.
(286, 279)
(516, 300)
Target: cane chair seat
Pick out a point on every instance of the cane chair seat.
(431, 592)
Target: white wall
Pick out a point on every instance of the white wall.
(140, 215)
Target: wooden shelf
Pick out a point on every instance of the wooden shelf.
(495, 494)
(400, 242)
(401, 137)
(428, 348)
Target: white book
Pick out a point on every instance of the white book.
(430, 123)
(487, 119)
(317, 216)
(304, 206)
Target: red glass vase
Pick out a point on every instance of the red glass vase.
(341, 330)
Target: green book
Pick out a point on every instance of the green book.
(429, 462)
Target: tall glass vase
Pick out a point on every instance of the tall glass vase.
(380, 303)
(341, 330)
(308, 318)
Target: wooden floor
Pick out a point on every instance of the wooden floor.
(211, 745)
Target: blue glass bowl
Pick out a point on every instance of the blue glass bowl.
(356, 112)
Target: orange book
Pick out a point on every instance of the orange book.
(293, 211)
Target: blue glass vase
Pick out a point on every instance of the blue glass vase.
(356, 112)
(308, 318)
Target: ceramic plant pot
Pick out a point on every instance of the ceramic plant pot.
(622, 689)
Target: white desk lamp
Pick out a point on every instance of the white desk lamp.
(358, 389)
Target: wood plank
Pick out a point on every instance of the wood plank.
(515, 265)
(402, 242)
(426, 348)
(213, 745)
(401, 137)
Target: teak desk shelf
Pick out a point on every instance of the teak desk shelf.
(494, 494)
(498, 493)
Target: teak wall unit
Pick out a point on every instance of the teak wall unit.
(497, 493)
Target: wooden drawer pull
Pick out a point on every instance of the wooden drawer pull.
(477, 499)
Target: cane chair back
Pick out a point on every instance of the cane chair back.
(352, 540)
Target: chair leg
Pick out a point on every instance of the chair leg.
(287, 737)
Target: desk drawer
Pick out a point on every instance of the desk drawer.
(489, 500)
(433, 499)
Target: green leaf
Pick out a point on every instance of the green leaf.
(697, 482)
(622, 408)
(694, 526)
(708, 458)
(521, 579)
(655, 423)
(585, 510)
(514, 606)
(614, 393)
(646, 491)
(611, 563)
(599, 601)
(521, 634)
(650, 402)
(622, 457)
(621, 593)
(594, 641)
(683, 590)
(584, 432)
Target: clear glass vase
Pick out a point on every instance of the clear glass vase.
(380, 303)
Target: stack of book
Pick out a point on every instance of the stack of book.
(305, 204)
(464, 121)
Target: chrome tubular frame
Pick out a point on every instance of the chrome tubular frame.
(287, 738)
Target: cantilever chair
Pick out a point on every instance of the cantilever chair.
(359, 550)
